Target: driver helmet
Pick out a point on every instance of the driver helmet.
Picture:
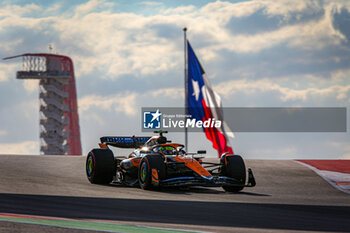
(167, 150)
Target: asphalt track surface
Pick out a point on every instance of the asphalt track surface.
(288, 197)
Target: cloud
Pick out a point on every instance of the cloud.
(55, 8)
(286, 8)
(7, 71)
(126, 44)
(27, 108)
(26, 147)
(340, 75)
(91, 6)
(223, 11)
(179, 10)
(125, 102)
(11, 10)
(174, 93)
(9, 46)
(94, 117)
(151, 3)
(287, 93)
(315, 34)
(3, 76)
(120, 103)
(135, 44)
(3, 133)
(31, 85)
(341, 146)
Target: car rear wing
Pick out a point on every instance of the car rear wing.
(124, 142)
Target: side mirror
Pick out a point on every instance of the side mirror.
(201, 152)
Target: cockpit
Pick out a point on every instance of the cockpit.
(169, 149)
(165, 150)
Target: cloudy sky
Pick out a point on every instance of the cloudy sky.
(129, 54)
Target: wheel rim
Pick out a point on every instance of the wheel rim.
(143, 172)
(89, 166)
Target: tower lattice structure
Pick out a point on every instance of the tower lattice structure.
(59, 120)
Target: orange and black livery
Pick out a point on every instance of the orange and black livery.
(157, 162)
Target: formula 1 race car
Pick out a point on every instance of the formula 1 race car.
(156, 162)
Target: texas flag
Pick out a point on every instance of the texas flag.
(204, 103)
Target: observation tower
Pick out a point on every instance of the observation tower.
(59, 120)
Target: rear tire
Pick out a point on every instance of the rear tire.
(148, 163)
(100, 166)
(233, 166)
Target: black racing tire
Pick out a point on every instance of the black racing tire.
(100, 166)
(148, 163)
(233, 166)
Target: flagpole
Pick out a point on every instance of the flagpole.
(186, 84)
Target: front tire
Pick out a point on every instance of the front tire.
(233, 166)
(100, 167)
(148, 163)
